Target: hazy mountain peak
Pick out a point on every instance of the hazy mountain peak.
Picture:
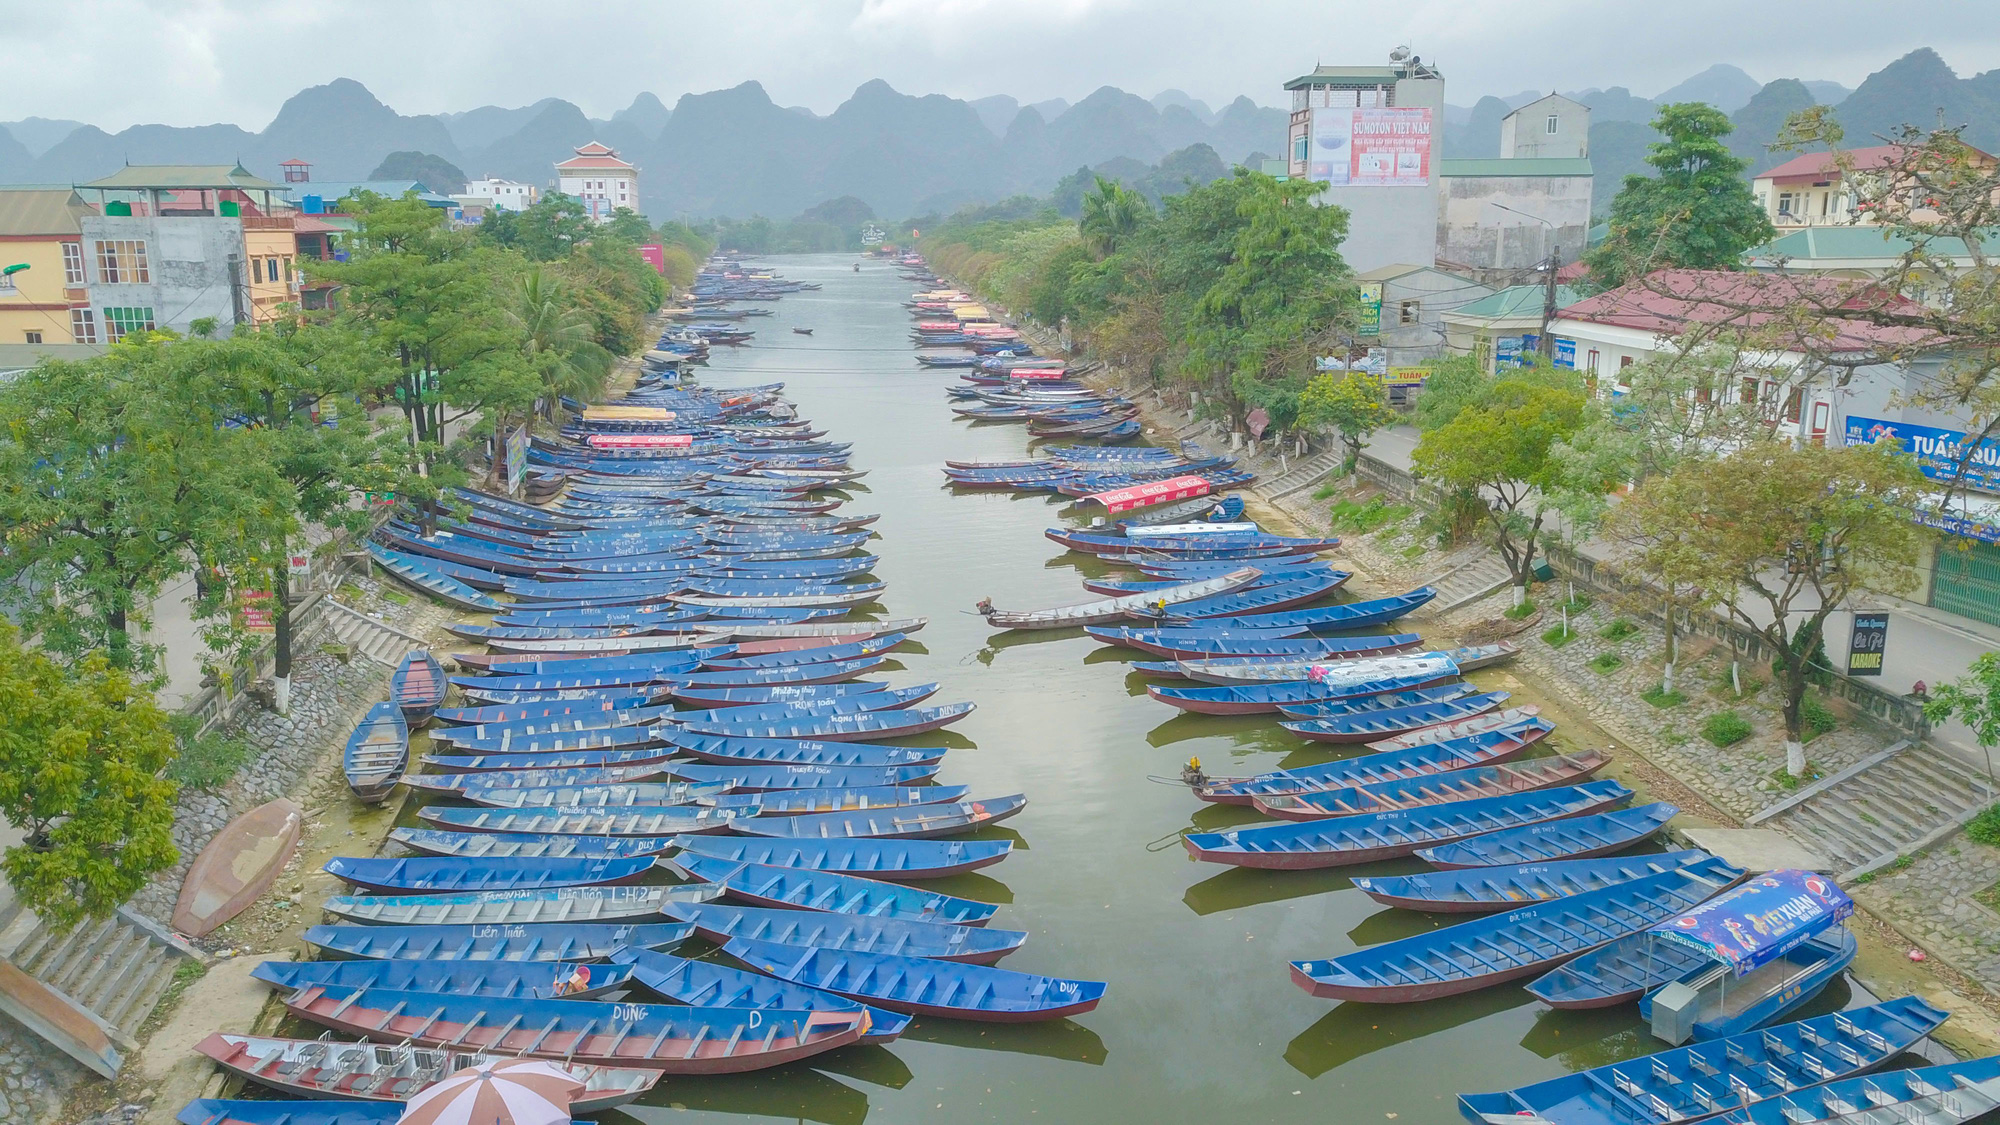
(1827, 93)
(996, 112)
(1180, 98)
(1723, 86)
(647, 113)
(40, 134)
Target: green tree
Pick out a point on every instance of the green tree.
(1695, 212)
(1111, 214)
(1778, 538)
(625, 225)
(1500, 445)
(1973, 699)
(556, 338)
(545, 232)
(1352, 405)
(81, 753)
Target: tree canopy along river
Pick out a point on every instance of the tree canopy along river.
(1201, 1022)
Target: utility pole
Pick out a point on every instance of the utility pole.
(1545, 341)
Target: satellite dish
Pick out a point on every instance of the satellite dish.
(1400, 54)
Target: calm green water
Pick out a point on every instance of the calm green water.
(1201, 1022)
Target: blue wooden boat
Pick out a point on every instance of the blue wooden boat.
(434, 875)
(1192, 570)
(507, 845)
(894, 699)
(1702, 1081)
(707, 781)
(1256, 698)
(829, 672)
(1947, 1094)
(499, 781)
(1449, 787)
(801, 752)
(418, 686)
(821, 654)
(1618, 973)
(559, 941)
(1271, 576)
(505, 731)
(1768, 947)
(1251, 648)
(230, 1111)
(1388, 700)
(706, 984)
(572, 905)
(639, 679)
(800, 889)
(923, 987)
(543, 979)
(806, 802)
(835, 727)
(895, 860)
(1580, 838)
(1518, 943)
(1483, 749)
(1331, 618)
(1385, 835)
(1147, 640)
(431, 581)
(921, 823)
(775, 693)
(1367, 726)
(458, 771)
(1261, 599)
(378, 752)
(560, 709)
(631, 820)
(498, 696)
(722, 922)
(1482, 890)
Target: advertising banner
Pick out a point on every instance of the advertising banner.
(517, 459)
(1870, 639)
(1371, 309)
(640, 441)
(1331, 154)
(1938, 452)
(1147, 495)
(1370, 147)
(656, 257)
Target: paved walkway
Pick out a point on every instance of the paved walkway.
(1924, 643)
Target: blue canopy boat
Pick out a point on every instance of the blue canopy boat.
(720, 922)
(1385, 835)
(896, 860)
(501, 908)
(834, 727)
(1482, 890)
(1767, 947)
(1484, 749)
(920, 823)
(1370, 725)
(706, 984)
(508, 845)
(434, 875)
(1578, 838)
(1702, 1081)
(1519, 943)
(1948, 1094)
(800, 889)
(559, 941)
(801, 752)
(633, 820)
(378, 752)
(543, 979)
(923, 987)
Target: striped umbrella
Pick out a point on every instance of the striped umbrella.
(511, 1092)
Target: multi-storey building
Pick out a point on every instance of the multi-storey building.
(598, 179)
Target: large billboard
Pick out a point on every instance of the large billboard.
(1371, 147)
(1940, 453)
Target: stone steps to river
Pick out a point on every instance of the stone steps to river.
(117, 968)
(1890, 804)
(375, 639)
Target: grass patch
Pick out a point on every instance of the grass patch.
(1989, 898)
(1577, 604)
(1663, 699)
(1985, 828)
(1415, 551)
(349, 592)
(397, 596)
(1360, 519)
(1559, 636)
(1726, 728)
(1517, 612)
(1618, 630)
(1815, 717)
(1672, 736)
(1788, 783)
(205, 761)
(1607, 662)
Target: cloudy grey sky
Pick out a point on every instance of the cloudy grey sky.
(187, 62)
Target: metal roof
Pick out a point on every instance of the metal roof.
(1517, 166)
(1348, 76)
(1517, 302)
(213, 177)
(42, 211)
(1863, 243)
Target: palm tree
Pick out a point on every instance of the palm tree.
(1110, 213)
(556, 337)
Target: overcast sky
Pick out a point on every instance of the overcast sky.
(115, 63)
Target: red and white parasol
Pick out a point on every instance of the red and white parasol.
(513, 1092)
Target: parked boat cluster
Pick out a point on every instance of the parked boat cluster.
(673, 681)
(1536, 848)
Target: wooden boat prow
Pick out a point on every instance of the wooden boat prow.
(239, 864)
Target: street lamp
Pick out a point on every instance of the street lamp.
(8, 275)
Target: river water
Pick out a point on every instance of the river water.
(1201, 1022)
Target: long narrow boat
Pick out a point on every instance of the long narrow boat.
(853, 727)
(1478, 724)
(1360, 670)
(1581, 838)
(801, 751)
(1947, 1094)
(1324, 619)
(433, 582)
(921, 823)
(720, 922)
(810, 802)
(799, 889)
(1519, 943)
(435, 875)
(418, 686)
(830, 672)
(704, 984)
(1614, 974)
(1255, 599)
(812, 654)
(1383, 701)
(499, 908)
(634, 820)
(509, 729)
(378, 752)
(699, 781)
(1106, 610)
(557, 941)
(1372, 836)
(1702, 1081)
(545, 979)
(718, 698)
(1482, 890)
(1435, 789)
(1221, 645)
(895, 860)
(1263, 698)
(673, 1039)
(558, 710)
(1368, 726)
(492, 774)
(1488, 749)
(506, 845)
(922, 987)
(371, 1072)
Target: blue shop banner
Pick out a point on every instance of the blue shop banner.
(1938, 452)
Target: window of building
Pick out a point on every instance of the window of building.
(270, 269)
(1408, 312)
(83, 326)
(1785, 199)
(72, 263)
(288, 269)
(1590, 359)
(118, 322)
(1624, 361)
(1300, 146)
(34, 337)
(1749, 393)
(122, 262)
(1794, 401)
(1549, 126)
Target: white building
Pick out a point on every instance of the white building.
(507, 195)
(1372, 133)
(597, 178)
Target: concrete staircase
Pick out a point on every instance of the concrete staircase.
(368, 636)
(1303, 474)
(115, 968)
(1892, 803)
(1479, 574)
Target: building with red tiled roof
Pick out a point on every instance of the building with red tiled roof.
(1807, 190)
(598, 178)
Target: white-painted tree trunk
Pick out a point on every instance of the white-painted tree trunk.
(1736, 677)
(1667, 679)
(1795, 758)
(281, 694)
(1520, 596)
